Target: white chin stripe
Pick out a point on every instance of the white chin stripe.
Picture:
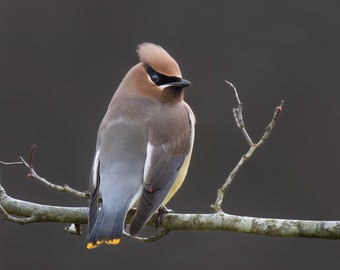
(164, 86)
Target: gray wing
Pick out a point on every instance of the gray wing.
(160, 173)
(169, 143)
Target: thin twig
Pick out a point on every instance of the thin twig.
(238, 116)
(65, 188)
(10, 163)
(30, 157)
(32, 174)
(270, 126)
(239, 121)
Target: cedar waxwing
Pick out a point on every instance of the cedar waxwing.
(143, 147)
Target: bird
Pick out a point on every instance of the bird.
(144, 146)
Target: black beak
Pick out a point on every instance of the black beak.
(181, 83)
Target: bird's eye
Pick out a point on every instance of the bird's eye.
(154, 78)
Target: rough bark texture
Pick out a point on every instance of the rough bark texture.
(29, 212)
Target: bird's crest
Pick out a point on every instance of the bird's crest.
(158, 58)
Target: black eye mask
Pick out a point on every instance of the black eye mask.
(159, 78)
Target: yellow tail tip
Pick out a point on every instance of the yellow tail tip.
(113, 241)
(91, 245)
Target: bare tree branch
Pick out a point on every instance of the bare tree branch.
(238, 115)
(23, 212)
(175, 222)
(237, 112)
(28, 212)
(33, 175)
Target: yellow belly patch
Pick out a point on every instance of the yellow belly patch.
(180, 178)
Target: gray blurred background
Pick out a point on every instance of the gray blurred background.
(60, 62)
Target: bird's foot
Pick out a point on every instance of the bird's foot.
(162, 211)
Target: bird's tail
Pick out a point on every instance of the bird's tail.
(108, 227)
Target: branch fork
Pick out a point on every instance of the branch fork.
(33, 175)
(237, 113)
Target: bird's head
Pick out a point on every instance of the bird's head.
(157, 75)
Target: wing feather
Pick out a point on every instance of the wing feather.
(94, 193)
(160, 177)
